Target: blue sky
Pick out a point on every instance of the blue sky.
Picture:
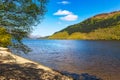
(62, 13)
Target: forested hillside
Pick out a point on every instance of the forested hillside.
(104, 26)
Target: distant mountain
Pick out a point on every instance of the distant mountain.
(31, 36)
(104, 26)
(45, 37)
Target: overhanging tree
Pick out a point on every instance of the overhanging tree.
(19, 17)
(5, 38)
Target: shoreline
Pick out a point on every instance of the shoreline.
(15, 67)
(9, 60)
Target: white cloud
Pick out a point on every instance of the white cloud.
(70, 17)
(62, 12)
(66, 15)
(64, 2)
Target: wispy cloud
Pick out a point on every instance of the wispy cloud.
(64, 2)
(66, 15)
(59, 22)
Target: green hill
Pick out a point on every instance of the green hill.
(104, 26)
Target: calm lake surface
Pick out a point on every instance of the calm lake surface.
(100, 58)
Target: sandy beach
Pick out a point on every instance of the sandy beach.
(11, 63)
(14, 67)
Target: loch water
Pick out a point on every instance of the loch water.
(100, 58)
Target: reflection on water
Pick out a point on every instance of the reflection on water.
(100, 58)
